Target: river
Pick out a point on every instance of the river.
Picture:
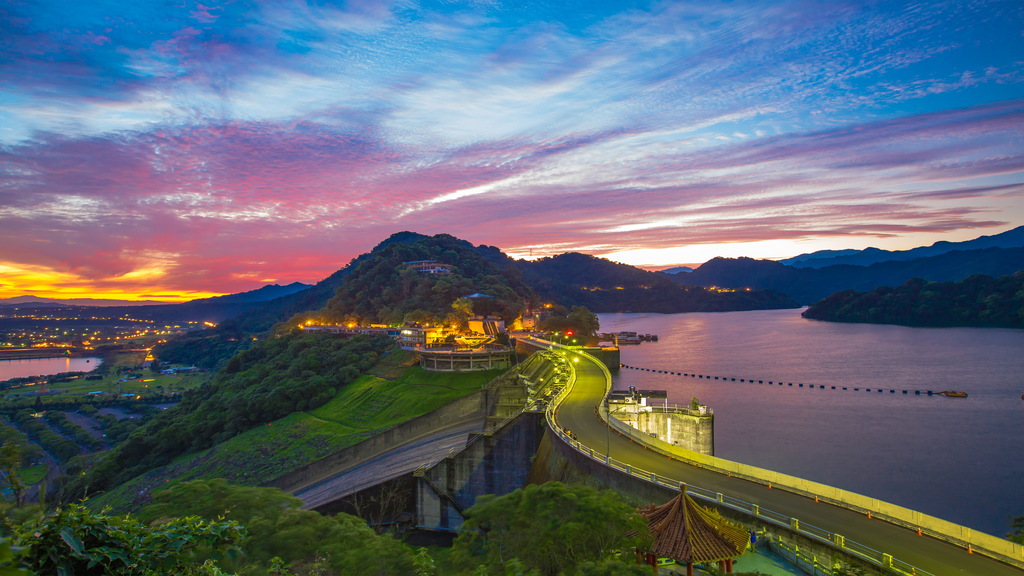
(955, 458)
(45, 366)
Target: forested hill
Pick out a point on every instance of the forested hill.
(212, 348)
(808, 285)
(384, 288)
(604, 286)
(979, 300)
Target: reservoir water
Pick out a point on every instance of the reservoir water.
(45, 366)
(955, 458)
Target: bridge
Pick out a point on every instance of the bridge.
(517, 431)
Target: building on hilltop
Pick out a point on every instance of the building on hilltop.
(429, 266)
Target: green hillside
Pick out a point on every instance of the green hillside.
(277, 376)
(372, 403)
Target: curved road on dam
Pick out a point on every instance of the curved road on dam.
(577, 413)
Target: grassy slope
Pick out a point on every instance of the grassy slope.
(396, 392)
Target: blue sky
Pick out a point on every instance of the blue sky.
(177, 150)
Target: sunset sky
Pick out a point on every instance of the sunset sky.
(178, 150)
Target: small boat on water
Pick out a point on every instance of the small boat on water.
(953, 394)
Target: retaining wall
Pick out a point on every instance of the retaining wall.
(476, 405)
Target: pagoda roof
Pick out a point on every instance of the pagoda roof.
(688, 532)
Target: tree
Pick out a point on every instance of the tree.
(550, 528)
(10, 467)
(76, 541)
(1017, 534)
(461, 312)
(278, 527)
(585, 321)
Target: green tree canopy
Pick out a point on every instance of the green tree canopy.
(978, 300)
(550, 528)
(74, 541)
(382, 288)
(1017, 534)
(278, 528)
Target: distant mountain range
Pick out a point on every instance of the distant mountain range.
(676, 270)
(575, 279)
(1010, 239)
(268, 292)
(36, 301)
(809, 284)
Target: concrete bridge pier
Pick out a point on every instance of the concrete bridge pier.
(495, 463)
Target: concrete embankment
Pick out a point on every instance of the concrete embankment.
(476, 406)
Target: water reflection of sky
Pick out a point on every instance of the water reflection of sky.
(44, 366)
(948, 457)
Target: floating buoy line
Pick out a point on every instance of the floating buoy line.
(946, 393)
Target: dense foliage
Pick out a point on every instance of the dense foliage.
(76, 541)
(581, 322)
(292, 372)
(1016, 533)
(209, 349)
(383, 289)
(278, 528)
(605, 286)
(808, 285)
(11, 436)
(551, 528)
(212, 528)
(977, 301)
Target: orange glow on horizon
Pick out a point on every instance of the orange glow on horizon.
(44, 282)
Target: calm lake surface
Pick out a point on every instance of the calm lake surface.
(45, 366)
(956, 458)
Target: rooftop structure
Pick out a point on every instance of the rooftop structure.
(429, 266)
(690, 533)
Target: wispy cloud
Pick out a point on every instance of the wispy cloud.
(192, 147)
